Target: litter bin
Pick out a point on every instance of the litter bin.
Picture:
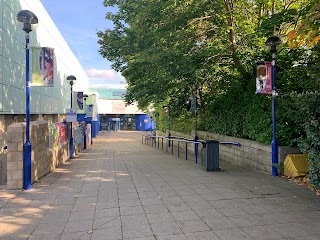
(210, 155)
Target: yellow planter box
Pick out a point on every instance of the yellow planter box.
(296, 165)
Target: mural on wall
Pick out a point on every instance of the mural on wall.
(42, 66)
(57, 135)
(88, 132)
(78, 135)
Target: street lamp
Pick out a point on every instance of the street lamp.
(273, 42)
(72, 80)
(27, 18)
(85, 121)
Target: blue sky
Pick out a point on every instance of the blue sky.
(78, 21)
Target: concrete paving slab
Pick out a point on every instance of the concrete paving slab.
(119, 188)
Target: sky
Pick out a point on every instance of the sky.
(79, 21)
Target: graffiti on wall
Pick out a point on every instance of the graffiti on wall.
(57, 135)
(78, 135)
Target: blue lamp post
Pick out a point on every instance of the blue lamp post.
(273, 42)
(72, 80)
(27, 18)
(85, 121)
(169, 133)
(91, 107)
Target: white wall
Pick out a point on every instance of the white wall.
(44, 100)
(117, 106)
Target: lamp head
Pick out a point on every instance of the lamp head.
(27, 18)
(273, 42)
(72, 79)
(85, 96)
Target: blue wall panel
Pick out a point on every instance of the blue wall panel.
(143, 122)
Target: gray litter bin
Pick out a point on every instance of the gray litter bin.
(210, 155)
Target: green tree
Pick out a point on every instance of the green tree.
(168, 50)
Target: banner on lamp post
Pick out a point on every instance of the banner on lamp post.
(77, 98)
(42, 69)
(264, 78)
(90, 110)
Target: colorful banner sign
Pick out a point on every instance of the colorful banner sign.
(264, 78)
(77, 100)
(42, 69)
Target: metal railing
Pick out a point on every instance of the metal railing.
(168, 143)
(232, 143)
(164, 142)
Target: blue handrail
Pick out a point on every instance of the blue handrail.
(233, 143)
(155, 139)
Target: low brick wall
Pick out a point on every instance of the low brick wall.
(44, 160)
(250, 154)
(5, 121)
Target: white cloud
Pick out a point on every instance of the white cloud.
(106, 85)
(105, 79)
(109, 74)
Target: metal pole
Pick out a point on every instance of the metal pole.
(85, 125)
(155, 129)
(71, 138)
(169, 125)
(172, 148)
(195, 130)
(91, 132)
(274, 144)
(186, 150)
(27, 146)
(162, 143)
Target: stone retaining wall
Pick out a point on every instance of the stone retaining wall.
(250, 154)
(44, 160)
(5, 121)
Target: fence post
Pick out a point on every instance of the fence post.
(196, 151)
(186, 150)
(172, 148)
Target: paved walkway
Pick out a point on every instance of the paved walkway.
(122, 189)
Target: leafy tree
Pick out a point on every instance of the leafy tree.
(168, 50)
(306, 31)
